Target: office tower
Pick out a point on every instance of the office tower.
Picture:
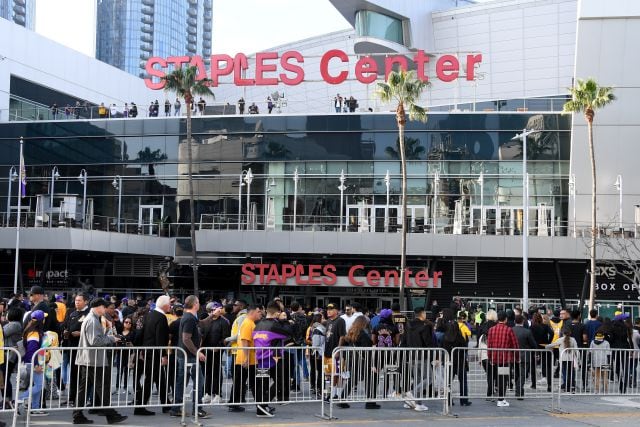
(128, 32)
(22, 12)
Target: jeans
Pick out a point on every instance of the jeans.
(36, 389)
(196, 395)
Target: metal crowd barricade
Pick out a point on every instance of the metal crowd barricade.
(269, 379)
(8, 389)
(370, 374)
(495, 374)
(104, 379)
(598, 372)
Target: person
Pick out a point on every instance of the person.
(154, 333)
(418, 334)
(61, 308)
(398, 319)
(125, 110)
(579, 333)
(621, 339)
(189, 340)
(635, 338)
(253, 108)
(452, 338)
(268, 332)
(12, 332)
(300, 323)
(358, 364)
(592, 325)
(337, 103)
(67, 112)
(335, 329)
(543, 335)
(600, 352)
(36, 296)
(386, 335)
(568, 358)
(71, 340)
(113, 111)
(167, 108)
(215, 330)
(353, 104)
(133, 112)
(502, 337)
(94, 365)
(316, 339)
(54, 111)
(202, 105)
(241, 105)
(245, 362)
(269, 104)
(128, 358)
(176, 107)
(527, 365)
(32, 341)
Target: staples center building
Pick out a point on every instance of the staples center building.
(304, 202)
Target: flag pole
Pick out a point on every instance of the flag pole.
(21, 180)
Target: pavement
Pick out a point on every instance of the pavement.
(575, 411)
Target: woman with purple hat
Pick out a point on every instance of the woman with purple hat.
(32, 340)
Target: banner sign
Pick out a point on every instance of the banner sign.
(325, 275)
(271, 68)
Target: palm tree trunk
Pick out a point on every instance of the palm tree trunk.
(403, 239)
(592, 274)
(192, 211)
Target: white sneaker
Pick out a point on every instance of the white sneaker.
(409, 400)
(216, 400)
(503, 403)
(206, 399)
(392, 395)
(405, 406)
(420, 408)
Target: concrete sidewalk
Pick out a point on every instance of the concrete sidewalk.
(578, 411)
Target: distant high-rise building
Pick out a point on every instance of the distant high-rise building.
(22, 12)
(128, 32)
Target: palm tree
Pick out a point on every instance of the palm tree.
(586, 98)
(412, 149)
(404, 88)
(184, 83)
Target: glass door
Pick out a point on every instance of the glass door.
(149, 219)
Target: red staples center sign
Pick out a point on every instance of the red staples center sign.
(325, 275)
(271, 68)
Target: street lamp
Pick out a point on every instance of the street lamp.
(267, 188)
(618, 185)
(436, 184)
(572, 195)
(342, 187)
(117, 184)
(248, 179)
(296, 178)
(387, 183)
(13, 176)
(482, 217)
(525, 216)
(54, 177)
(83, 179)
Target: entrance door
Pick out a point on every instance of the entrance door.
(149, 219)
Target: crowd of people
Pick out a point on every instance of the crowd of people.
(273, 351)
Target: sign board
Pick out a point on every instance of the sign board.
(272, 68)
(325, 275)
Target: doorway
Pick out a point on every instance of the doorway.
(149, 219)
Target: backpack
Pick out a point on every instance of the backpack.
(453, 337)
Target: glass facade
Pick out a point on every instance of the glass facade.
(130, 32)
(22, 12)
(374, 24)
(312, 172)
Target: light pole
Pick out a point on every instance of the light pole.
(436, 184)
(83, 179)
(296, 178)
(572, 195)
(525, 217)
(618, 185)
(54, 177)
(342, 187)
(482, 217)
(267, 188)
(117, 184)
(387, 183)
(21, 193)
(13, 176)
(248, 179)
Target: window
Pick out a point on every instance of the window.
(374, 24)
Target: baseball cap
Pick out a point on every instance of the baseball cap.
(38, 315)
(621, 316)
(59, 297)
(36, 290)
(386, 313)
(599, 336)
(99, 302)
(213, 305)
(331, 307)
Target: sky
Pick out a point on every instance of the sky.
(268, 24)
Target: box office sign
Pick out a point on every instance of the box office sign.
(326, 275)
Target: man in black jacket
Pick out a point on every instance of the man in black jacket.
(36, 296)
(155, 333)
(418, 335)
(527, 359)
(215, 329)
(71, 338)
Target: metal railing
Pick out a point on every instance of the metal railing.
(10, 391)
(370, 375)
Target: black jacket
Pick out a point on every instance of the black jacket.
(419, 334)
(51, 321)
(215, 331)
(155, 332)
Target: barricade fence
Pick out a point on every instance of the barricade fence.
(598, 372)
(497, 374)
(11, 361)
(103, 379)
(225, 375)
(413, 375)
